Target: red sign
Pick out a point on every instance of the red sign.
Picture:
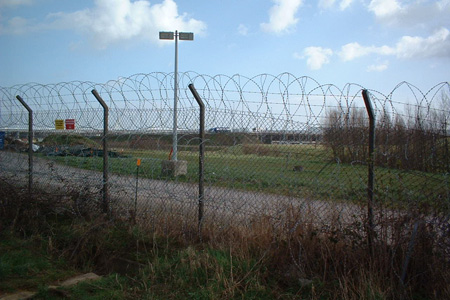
(70, 124)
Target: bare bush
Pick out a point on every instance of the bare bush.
(418, 140)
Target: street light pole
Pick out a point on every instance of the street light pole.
(169, 35)
(175, 103)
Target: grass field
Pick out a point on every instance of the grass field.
(270, 169)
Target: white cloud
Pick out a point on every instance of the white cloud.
(324, 4)
(18, 25)
(436, 45)
(378, 68)
(4, 3)
(413, 13)
(282, 16)
(354, 50)
(384, 8)
(242, 29)
(344, 4)
(327, 4)
(316, 57)
(408, 47)
(118, 21)
(443, 3)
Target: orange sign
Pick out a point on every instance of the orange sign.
(138, 163)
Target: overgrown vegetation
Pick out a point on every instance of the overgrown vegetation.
(44, 239)
(417, 140)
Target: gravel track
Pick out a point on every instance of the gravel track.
(171, 196)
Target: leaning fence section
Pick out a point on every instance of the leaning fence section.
(274, 146)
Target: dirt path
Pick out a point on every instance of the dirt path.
(159, 196)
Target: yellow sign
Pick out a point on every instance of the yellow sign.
(59, 124)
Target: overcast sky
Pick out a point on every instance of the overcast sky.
(375, 43)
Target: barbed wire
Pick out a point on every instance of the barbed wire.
(284, 99)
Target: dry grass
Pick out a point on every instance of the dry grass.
(290, 257)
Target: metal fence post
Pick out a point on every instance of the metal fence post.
(371, 176)
(30, 144)
(409, 252)
(105, 203)
(201, 177)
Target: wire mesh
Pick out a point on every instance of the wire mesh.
(275, 145)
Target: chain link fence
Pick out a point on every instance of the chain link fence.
(280, 147)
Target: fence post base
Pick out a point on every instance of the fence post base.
(173, 168)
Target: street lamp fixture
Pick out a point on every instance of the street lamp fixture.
(184, 36)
